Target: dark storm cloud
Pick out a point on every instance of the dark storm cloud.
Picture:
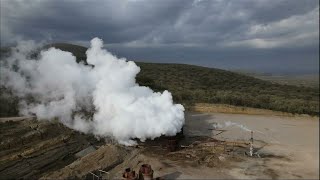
(116, 21)
(255, 34)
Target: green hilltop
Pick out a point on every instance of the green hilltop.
(191, 84)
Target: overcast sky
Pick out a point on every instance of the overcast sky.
(259, 35)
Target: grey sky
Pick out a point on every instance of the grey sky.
(261, 35)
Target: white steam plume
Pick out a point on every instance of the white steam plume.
(60, 87)
(229, 124)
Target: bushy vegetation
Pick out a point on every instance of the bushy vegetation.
(8, 103)
(194, 84)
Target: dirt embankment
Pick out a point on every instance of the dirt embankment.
(31, 148)
(105, 158)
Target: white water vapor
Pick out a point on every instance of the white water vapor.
(230, 124)
(59, 87)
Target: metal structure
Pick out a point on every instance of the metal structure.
(173, 141)
(101, 173)
(172, 145)
(251, 145)
(145, 172)
(129, 174)
(96, 176)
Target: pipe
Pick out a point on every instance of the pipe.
(129, 174)
(145, 172)
(251, 145)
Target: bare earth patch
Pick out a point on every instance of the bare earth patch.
(215, 146)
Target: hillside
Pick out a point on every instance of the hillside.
(308, 80)
(191, 84)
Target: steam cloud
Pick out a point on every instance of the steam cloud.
(59, 87)
(230, 124)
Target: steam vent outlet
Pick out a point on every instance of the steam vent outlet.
(172, 144)
(145, 172)
(129, 175)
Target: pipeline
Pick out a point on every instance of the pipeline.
(129, 174)
(145, 173)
